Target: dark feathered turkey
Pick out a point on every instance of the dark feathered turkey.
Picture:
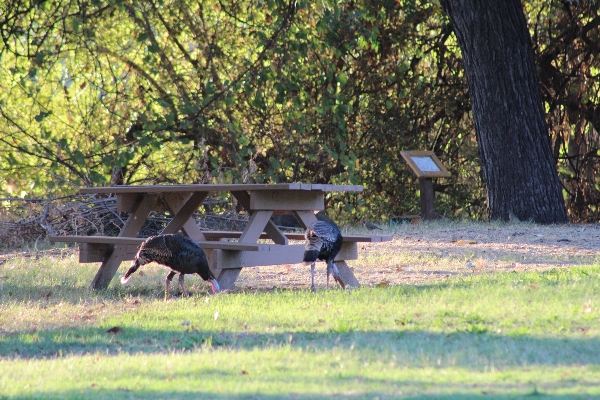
(180, 253)
(323, 242)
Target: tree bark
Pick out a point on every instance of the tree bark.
(516, 158)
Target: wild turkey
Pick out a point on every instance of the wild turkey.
(323, 242)
(370, 226)
(180, 253)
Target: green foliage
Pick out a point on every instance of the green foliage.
(567, 45)
(112, 93)
(176, 91)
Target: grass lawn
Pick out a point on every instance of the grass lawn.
(502, 335)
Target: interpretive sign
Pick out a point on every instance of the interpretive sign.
(425, 164)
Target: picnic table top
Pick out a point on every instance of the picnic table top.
(220, 188)
(261, 201)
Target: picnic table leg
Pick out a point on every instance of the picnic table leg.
(182, 210)
(256, 224)
(305, 218)
(259, 221)
(251, 234)
(225, 277)
(270, 228)
(308, 217)
(347, 275)
(116, 253)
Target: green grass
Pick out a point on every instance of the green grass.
(491, 336)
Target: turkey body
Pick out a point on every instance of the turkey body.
(323, 242)
(179, 253)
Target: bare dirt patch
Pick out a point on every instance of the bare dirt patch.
(427, 252)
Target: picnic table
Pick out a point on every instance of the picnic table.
(260, 243)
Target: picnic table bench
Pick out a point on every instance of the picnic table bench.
(226, 258)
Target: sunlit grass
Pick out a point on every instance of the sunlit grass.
(508, 334)
(282, 372)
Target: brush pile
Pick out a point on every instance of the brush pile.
(29, 220)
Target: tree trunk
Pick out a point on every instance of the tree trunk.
(516, 158)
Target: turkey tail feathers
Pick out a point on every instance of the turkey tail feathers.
(313, 247)
(310, 255)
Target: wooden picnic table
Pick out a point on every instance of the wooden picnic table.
(226, 258)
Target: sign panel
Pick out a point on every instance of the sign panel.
(425, 164)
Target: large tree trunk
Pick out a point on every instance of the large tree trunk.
(516, 158)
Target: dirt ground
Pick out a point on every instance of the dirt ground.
(433, 251)
(428, 252)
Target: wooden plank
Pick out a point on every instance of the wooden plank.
(132, 227)
(277, 255)
(368, 238)
(290, 254)
(210, 235)
(306, 218)
(275, 234)
(299, 236)
(349, 251)
(127, 201)
(136, 242)
(183, 212)
(347, 275)
(214, 235)
(175, 204)
(225, 255)
(97, 239)
(235, 246)
(288, 200)
(188, 188)
(272, 231)
(217, 188)
(95, 252)
(255, 226)
(89, 253)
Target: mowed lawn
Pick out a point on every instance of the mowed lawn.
(502, 335)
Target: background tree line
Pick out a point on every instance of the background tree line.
(180, 91)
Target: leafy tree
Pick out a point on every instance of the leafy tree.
(176, 91)
(111, 93)
(566, 39)
(516, 158)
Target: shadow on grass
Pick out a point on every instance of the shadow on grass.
(80, 293)
(76, 291)
(414, 347)
(429, 393)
